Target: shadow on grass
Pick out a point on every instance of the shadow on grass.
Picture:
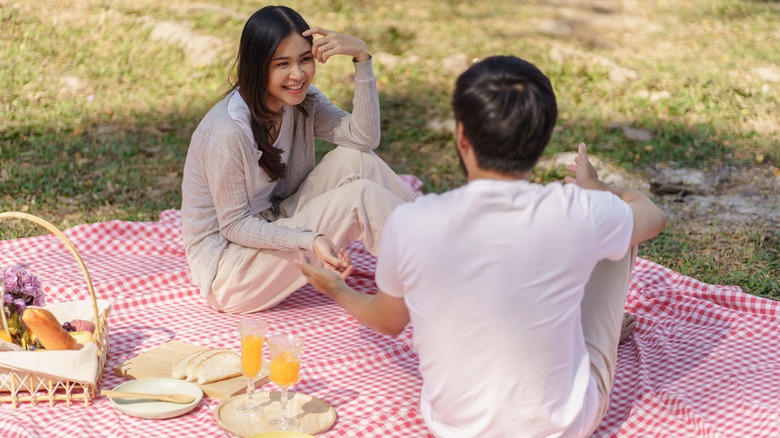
(135, 171)
(108, 171)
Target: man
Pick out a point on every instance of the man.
(515, 290)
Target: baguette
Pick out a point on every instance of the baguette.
(48, 330)
(220, 366)
(208, 366)
(190, 371)
(183, 365)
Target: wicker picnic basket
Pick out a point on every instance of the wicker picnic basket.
(19, 385)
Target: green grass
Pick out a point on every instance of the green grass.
(96, 113)
(695, 252)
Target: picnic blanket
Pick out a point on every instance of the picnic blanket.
(703, 360)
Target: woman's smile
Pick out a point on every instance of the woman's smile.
(290, 73)
(295, 89)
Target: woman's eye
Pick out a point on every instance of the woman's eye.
(281, 64)
(306, 59)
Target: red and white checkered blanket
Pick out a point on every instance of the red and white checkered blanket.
(703, 360)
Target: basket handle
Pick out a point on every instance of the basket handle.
(71, 248)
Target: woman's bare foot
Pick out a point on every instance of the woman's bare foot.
(629, 323)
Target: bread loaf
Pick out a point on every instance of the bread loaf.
(48, 330)
(207, 366)
(192, 367)
(220, 366)
(183, 365)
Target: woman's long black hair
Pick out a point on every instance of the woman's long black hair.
(262, 34)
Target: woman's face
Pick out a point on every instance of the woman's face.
(291, 71)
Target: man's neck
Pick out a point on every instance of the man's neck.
(477, 173)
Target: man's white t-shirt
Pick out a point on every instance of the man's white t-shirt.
(493, 274)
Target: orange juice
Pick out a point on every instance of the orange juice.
(284, 369)
(251, 354)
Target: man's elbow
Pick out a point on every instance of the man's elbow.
(390, 326)
(662, 221)
(659, 222)
(654, 222)
(387, 330)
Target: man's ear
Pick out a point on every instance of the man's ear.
(461, 141)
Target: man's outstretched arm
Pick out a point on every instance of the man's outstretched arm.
(649, 220)
(381, 312)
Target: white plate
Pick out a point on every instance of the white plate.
(152, 408)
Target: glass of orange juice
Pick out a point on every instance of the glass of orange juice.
(252, 331)
(285, 372)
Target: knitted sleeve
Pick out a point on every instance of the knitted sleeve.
(360, 130)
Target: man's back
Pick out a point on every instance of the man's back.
(493, 275)
(515, 290)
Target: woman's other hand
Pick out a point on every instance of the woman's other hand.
(333, 43)
(336, 261)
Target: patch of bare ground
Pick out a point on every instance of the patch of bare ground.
(722, 212)
(728, 198)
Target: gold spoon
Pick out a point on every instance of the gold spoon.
(173, 398)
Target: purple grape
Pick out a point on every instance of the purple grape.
(67, 326)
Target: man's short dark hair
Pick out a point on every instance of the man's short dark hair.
(508, 111)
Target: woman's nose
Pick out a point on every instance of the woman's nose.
(297, 73)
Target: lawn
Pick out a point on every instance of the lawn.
(99, 99)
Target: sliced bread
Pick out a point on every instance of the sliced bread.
(192, 368)
(222, 365)
(185, 368)
(180, 368)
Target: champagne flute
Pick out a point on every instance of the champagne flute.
(285, 372)
(252, 333)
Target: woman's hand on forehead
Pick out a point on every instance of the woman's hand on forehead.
(332, 43)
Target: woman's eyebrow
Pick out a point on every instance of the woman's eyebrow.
(308, 52)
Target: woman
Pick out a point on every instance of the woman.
(252, 198)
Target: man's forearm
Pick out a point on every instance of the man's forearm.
(362, 308)
(381, 312)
